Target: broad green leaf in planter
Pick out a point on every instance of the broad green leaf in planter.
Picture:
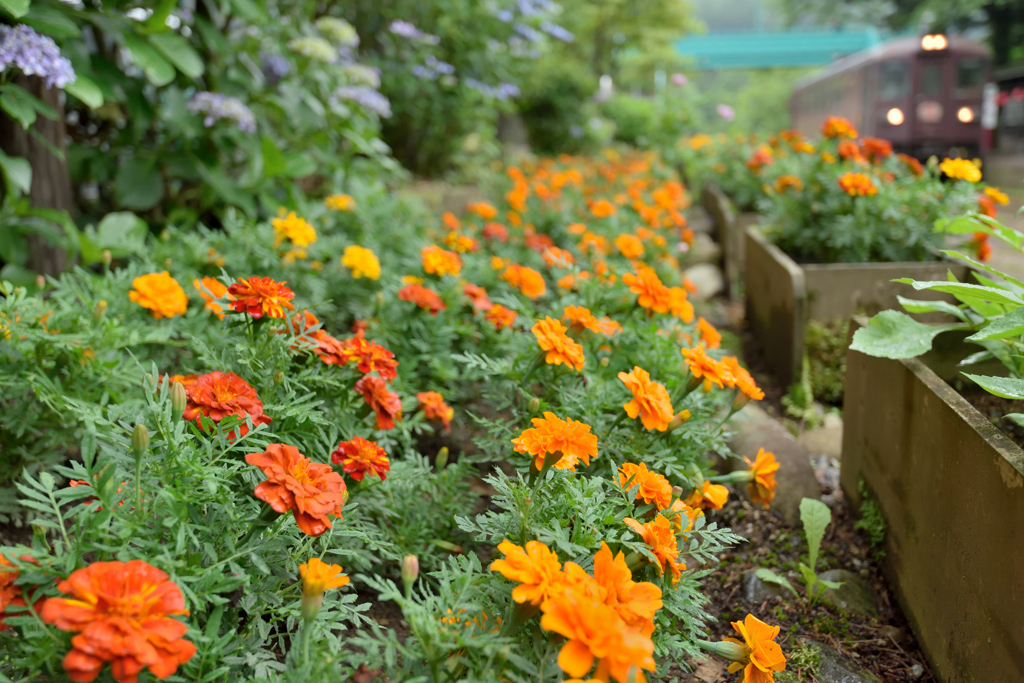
(179, 52)
(17, 172)
(139, 185)
(16, 8)
(122, 233)
(158, 70)
(918, 306)
(962, 291)
(975, 222)
(1014, 282)
(1004, 387)
(86, 90)
(1009, 325)
(892, 334)
(815, 516)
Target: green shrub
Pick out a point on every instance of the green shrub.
(634, 117)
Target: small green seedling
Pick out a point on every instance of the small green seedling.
(816, 517)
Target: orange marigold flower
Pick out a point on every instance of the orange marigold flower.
(602, 208)
(650, 400)
(552, 434)
(218, 394)
(440, 262)
(838, 127)
(526, 280)
(536, 569)
(318, 576)
(912, 164)
(211, 289)
(259, 296)
(477, 296)
(742, 379)
(848, 150)
(608, 327)
(708, 497)
(501, 317)
(311, 491)
(561, 348)
(876, 149)
(462, 244)
(538, 242)
(982, 248)
(450, 221)
(594, 632)
(495, 231)
(160, 293)
(567, 282)
(358, 457)
(708, 334)
(122, 613)
(580, 318)
(576, 228)
(650, 486)
(763, 469)
(651, 293)
(762, 157)
(424, 297)
(435, 409)
(765, 656)
(558, 258)
(10, 594)
(676, 512)
(629, 246)
(483, 210)
(987, 207)
(636, 603)
(679, 305)
(659, 535)
(326, 347)
(786, 182)
(369, 356)
(703, 365)
(857, 185)
(384, 402)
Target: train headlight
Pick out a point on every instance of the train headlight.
(935, 41)
(965, 114)
(894, 116)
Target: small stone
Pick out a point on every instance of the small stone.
(708, 279)
(757, 591)
(855, 595)
(827, 441)
(832, 421)
(892, 633)
(833, 668)
(917, 671)
(704, 249)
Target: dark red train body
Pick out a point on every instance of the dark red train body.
(925, 101)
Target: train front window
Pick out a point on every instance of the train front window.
(931, 80)
(893, 81)
(970, 77)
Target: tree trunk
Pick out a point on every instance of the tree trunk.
(51, 179)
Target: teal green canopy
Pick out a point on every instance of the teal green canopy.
(778, 49)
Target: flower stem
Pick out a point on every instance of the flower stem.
(266, 518)
(533, 366)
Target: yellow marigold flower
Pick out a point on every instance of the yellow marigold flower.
(561, 348)
(361, 262)
(412, 280)
(440, 262)
(961, 169)
(763, 469)
(629, 246)
(828, 157)
(699, 141)
(552, 434)
(160, 293)
(294, 229)
(661, 538)
(651, 487)
(765, 655)
(998, 197)
(536, 569)
(650, 400)
(340, 202)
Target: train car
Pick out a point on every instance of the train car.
(923, 94)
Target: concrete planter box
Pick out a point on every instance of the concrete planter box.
(782, 295)
(951, 488)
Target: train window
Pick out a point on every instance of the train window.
(931, 79)
(970, 76)
(893, 81)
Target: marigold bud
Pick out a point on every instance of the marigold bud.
(410, 568)
(99, 311)
(442, 459)
(605, 361)
(278, 377)
(380, 298)
(732, 652)
(677, 421)
(40, 281)
(179, 399)
(140, 440)
(534, 405)
(739, 400)
(311, 605)
(677, 491)
(107, 257)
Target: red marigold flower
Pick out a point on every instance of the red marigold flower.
(358, 457)
(495, 231)
(259, 296)
(122, 613)
(384, 402)
(10, 594)
(219, 394)
(326, 347)
(370, 357)
(424, 297)
(309, 490)
(539, 242)
(876, 149)
(436, 409)
(477, 296)
(501, 317)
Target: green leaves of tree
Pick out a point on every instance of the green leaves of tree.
(16, 8)
(179, 52)
(17, 173)
(158, 70)
(138, 184)
(892, 334)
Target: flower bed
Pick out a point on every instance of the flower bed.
(211, 432)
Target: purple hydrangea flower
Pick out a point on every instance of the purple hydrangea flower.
(275, 67)
(365, 97)
(502, 91)
(215, 106)
(528, 32)
(420, 71)
(558, 32)
(407, 30)
(726, 112)
(35, 55)
(505, 15)
(439, 66)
